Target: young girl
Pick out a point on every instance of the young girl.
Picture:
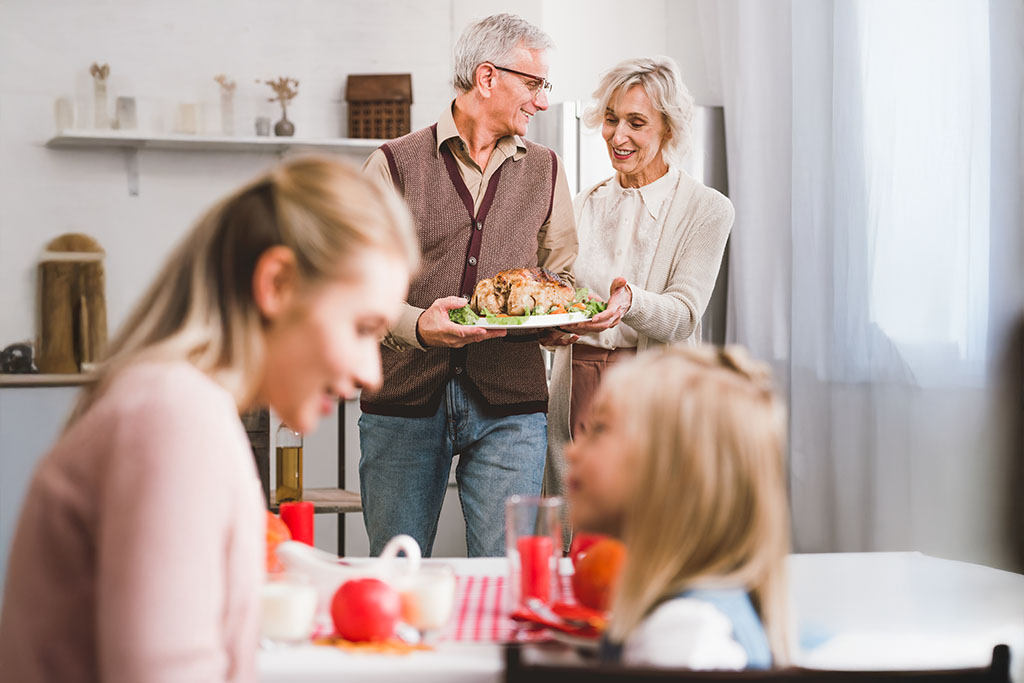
(139, 551)
(682, 460)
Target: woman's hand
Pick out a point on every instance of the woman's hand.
(619, 300)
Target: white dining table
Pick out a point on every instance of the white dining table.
(854, 611)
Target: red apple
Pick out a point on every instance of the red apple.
(580, 544)
(365, 610)
(597, 574)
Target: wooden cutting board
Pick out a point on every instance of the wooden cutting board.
(72, 304)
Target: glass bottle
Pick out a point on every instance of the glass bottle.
(289, 464)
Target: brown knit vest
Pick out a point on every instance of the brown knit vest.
(459, 249)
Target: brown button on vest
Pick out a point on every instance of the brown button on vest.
(459, 247)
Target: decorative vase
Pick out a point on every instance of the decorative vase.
(227, 104)
(227, 113)
(64, 110)
(188, 118)
(284, 127)
(125, 113)
(101, 117)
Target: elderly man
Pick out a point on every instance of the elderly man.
(485, 200)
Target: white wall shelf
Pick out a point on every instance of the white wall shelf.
(133, 141)
(44, 380)
(203, 143)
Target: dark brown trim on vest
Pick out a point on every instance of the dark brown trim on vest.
(520, 338)
(456, 178)
(396, 178)
(477, 238)
(429, 410)
(554, 176)
(502, 409)
(476, 219)
(516, 409)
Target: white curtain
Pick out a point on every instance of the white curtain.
(877, 261)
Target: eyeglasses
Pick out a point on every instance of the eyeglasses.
(539, 83)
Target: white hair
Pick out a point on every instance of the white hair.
(660, 79)
(493, 39)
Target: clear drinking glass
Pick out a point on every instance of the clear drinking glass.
(533, 545)
(289, 608)
(428, 599)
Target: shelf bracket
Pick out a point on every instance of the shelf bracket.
(131, 170)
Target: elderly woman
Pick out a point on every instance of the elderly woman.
(651, 241)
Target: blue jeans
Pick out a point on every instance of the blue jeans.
(405, 461)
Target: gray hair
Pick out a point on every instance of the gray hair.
(660, 79)
(492, 39)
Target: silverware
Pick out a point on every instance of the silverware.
(541, 609)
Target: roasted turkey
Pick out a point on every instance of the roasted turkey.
(520, 291)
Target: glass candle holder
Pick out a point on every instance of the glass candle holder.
(533, 545)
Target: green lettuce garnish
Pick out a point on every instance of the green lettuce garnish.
(463, 316)
(593, 306)
(467, 316)
(507, 320)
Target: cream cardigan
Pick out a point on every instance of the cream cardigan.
(667, 308)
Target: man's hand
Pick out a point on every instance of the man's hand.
(619, 300)
(437, 329)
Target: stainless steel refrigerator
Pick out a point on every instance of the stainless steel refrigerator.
(585, 155)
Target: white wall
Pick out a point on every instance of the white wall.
(692, 40)
(592, 36)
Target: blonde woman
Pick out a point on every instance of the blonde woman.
(139, 551)
(651, 241)
(682, 459)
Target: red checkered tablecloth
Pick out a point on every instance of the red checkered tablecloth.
(481, 614)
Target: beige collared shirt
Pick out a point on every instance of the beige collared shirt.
(557, 240)
(619, 232)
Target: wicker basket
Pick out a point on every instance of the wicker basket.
(378, 105)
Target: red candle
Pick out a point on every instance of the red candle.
(298, 517)
(535, 554)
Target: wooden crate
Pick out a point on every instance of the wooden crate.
(378, 105)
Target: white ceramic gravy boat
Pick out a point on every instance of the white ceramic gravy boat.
(327, 574)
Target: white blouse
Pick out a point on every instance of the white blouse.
(685, 633)
(618, 234)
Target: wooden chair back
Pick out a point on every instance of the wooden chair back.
(519, 671)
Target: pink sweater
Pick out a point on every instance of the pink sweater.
(140, 548)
